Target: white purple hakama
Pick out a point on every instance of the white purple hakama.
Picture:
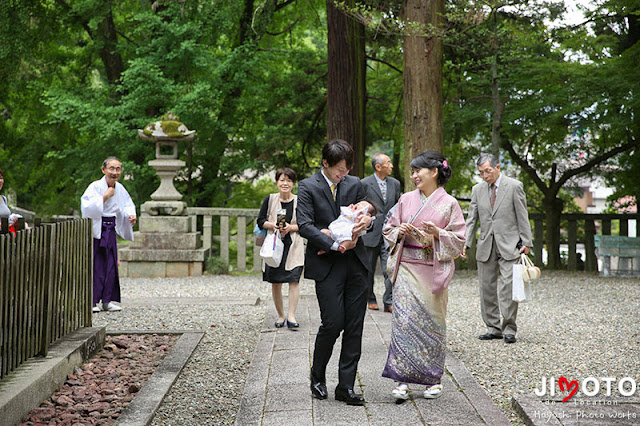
(108, 219)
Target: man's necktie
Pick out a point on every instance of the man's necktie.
(333, 191)
(383, 190)
(492, 198)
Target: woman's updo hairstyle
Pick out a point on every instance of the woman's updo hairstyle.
(433, 160)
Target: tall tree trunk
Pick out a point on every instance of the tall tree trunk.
(108, 39)
(104, 35)
(422, 82)
(553, 210)
(498, 108)
(346, 83)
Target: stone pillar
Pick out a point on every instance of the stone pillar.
(166, 245)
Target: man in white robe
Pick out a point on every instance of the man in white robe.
(112, 211)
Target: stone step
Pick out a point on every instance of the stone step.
(142, 255)
(164, 224)
(166, 241)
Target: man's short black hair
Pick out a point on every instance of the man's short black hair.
(337, 150)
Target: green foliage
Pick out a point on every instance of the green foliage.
(248, 195)
(214, 265)
(560, 114)
(250, 78)
(256, 100)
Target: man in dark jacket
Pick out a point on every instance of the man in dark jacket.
(384, 191)
(340, 273)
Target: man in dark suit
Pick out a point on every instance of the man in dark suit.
(340, 273)
(500, 205)
(384, 191)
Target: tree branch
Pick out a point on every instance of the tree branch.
(286, 29)
(384, 62)
(75, 16)
(316, 119)
(127, 38)
(283, 4)
(471, 99)
(522, 162)
(395, 116)
(554, 187)
(597, 160)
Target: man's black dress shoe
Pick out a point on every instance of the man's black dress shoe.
(318, 388)
(489, 336)
(509, 338)
(349, 396)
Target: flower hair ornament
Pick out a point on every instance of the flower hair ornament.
(445, 164)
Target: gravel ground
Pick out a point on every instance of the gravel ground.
(209, 389)
(578, 325)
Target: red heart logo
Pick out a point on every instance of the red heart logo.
(562, 382)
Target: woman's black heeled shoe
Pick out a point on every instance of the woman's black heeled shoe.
(292, 324)
(280, 324)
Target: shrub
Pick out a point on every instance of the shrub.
(215, 265)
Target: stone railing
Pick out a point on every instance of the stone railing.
(235, 225)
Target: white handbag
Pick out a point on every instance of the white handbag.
(271, 250)
(530, 272)
(520, 290)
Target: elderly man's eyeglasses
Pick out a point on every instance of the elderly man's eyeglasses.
(485, 172)
(114, 169)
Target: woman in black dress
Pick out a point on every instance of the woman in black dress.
(279, 211)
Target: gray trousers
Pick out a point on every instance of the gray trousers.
(495, 276)
(380, 252)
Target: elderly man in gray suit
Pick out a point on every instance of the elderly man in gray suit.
(500, 204)
(384, 191)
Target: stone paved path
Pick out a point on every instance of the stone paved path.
(277, 387)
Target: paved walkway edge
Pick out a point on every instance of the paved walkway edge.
(253, 395)
(488, 411)
(146, 402)
(38, 378)
(530, 408)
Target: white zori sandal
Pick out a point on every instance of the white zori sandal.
(401, 392)
(433, 392)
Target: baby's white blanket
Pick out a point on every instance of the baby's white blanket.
(342, 228)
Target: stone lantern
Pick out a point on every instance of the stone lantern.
(167, 245)
(166, 133)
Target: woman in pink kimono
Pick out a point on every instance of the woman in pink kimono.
(427, 231)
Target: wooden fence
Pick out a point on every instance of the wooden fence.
(234, 229)
(46, 283)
